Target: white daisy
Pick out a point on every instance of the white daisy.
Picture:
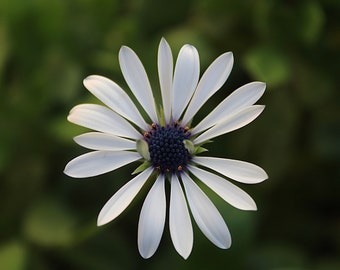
(167, 146)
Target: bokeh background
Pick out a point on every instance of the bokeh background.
(48, 220)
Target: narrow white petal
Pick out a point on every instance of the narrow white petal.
(241, 98)
(212, 80)
(99, 162)
(102, 119)
(240, 171)
(137, 79)
(179, 220)
(185, 79)
(122, 198)
(207, 217)
(115, 97)
(104, 141)
(231, 123)
(152, 219)
(165, 72)
(226, 190)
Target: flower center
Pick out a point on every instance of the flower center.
(166, 147)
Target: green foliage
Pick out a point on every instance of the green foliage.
(143, 149)
(268, 65)
(142, 167)
(13, 256)
(48, 221)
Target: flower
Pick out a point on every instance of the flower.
(167, 146)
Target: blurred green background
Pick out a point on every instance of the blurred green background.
(48, 220)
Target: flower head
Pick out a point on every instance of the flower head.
(167, 146)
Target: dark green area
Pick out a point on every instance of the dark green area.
(48, 220)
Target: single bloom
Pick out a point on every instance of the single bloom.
(170, 151)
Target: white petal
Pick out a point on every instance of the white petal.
(226, 190)
(137, 79)
(115, 97)
(185, 79)
(122, 198)
(240, 171)
(99, 162)
(231, 123)
(241, 98)
(179, 220)
(212, 80)
(165, 72)
(102, 119)
(103, 141)
(207, 217)
(152, 219)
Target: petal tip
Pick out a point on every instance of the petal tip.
(229, 55)
(122, 51)
(69, 173)
(69, 116)
(261, 107)
(261, 86)
(252, 207)
(86, 79)
(265, 176)
(185, 256)
(101, 220)
(91, 78)
(227, 243)
(163, 41)
(189, 48)
(145, 254)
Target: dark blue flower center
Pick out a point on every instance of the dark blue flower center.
(166, 147)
